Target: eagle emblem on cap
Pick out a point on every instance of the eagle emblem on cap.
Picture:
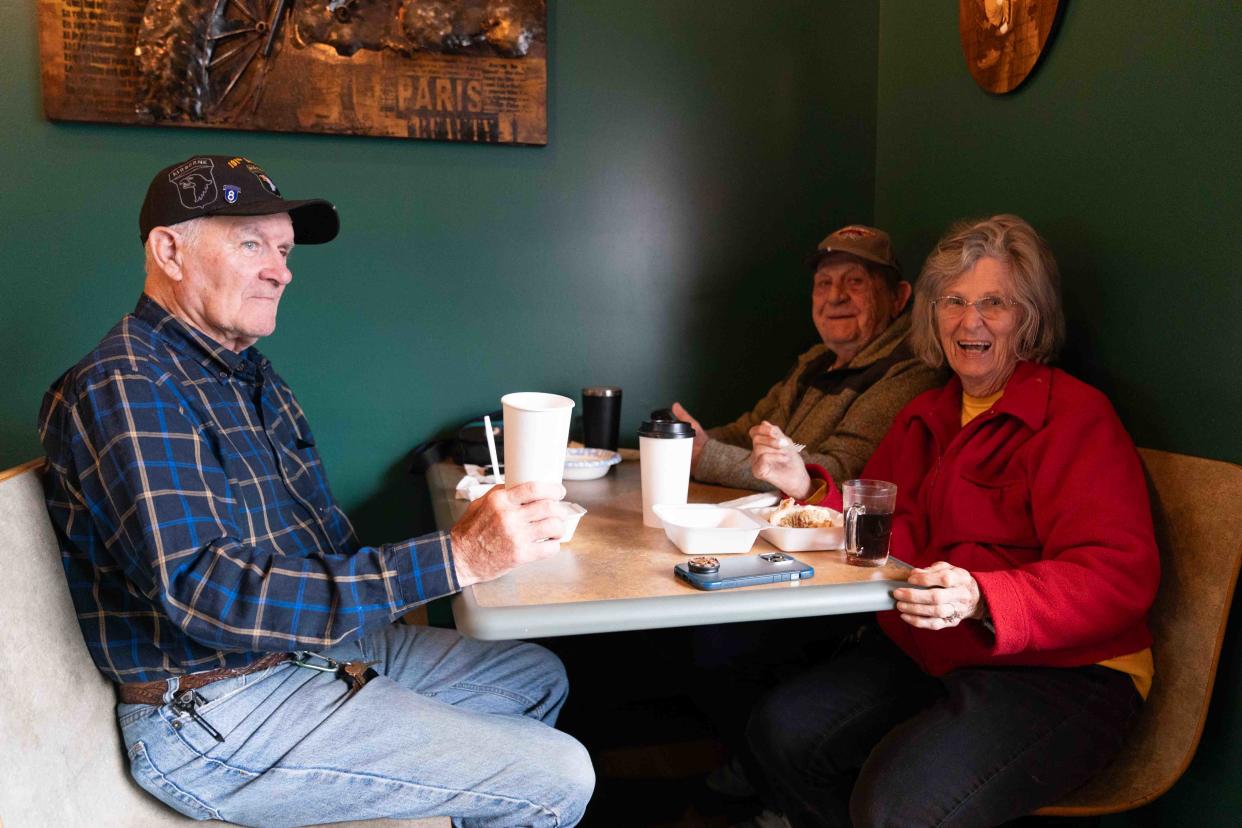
(198, 187)
(195, 181)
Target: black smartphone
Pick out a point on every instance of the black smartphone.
(710, 572)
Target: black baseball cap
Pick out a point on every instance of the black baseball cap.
(229, 185)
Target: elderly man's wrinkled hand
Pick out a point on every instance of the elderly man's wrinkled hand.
(774, 460)
(700, 434)
(953, 597)
(506, 528)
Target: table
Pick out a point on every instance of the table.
(617, 574)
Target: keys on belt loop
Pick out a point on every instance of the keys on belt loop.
(302, 658)
(353, 673)
(356, 674)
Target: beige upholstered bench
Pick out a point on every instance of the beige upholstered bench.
(61, 760)
(1199, 532)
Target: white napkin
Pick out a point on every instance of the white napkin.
(476, 483)
(753, 501)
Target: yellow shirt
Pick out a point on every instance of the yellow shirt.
(974, 406)
(1138, 666)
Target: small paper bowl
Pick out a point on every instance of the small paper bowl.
(789, 539)
(589, 463)
(704, 529)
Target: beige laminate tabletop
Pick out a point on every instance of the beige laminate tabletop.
(615, 574)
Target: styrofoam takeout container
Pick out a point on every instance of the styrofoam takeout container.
(789, 539)
(572, 514)
(706, 529)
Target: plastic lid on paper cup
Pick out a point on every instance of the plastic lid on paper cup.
(664, 425)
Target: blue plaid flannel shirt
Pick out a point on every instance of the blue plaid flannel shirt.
(195, 521)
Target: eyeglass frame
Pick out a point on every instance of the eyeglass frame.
(955, 309)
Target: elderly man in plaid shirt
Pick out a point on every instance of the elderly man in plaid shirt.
(260, 675)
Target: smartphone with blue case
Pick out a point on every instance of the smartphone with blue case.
(710, 572)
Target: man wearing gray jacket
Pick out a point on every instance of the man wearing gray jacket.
(841, 396)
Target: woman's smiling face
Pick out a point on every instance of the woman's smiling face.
(980, 351)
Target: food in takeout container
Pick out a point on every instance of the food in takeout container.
(793, 515)
(705, 529)
(794, 528)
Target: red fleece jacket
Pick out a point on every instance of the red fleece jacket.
(1043, 500)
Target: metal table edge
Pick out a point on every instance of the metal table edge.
(618, 615)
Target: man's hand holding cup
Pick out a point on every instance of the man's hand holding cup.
(506, 528)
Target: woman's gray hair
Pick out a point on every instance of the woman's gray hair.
(1034, 280)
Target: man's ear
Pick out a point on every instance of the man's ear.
(902, 293)
(168, 250)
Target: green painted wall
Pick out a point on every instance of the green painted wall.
(1123, 150)
(696, 152)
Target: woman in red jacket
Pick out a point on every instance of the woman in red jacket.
(1014, 664)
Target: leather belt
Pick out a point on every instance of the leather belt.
(152, 692)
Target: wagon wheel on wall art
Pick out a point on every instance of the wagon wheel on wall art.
(243, 37)
(201, 59)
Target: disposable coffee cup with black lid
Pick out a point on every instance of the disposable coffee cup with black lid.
(665, 446)
(663, 425)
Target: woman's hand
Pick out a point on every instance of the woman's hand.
(773, 459)
(956, 598)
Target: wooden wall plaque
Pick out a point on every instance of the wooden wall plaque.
(451, 70)
(1002, 40)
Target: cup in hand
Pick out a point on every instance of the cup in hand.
(601, 416)
(664, 448)
(868, 506)
(536, 436)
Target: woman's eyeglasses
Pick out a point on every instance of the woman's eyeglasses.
(990, 308)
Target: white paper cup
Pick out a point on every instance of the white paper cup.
(536, 435)
(664, 465)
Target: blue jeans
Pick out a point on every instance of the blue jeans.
(869, 739)
(451, 727)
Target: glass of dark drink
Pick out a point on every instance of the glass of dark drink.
(869, 508)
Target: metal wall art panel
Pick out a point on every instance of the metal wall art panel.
(449, 70)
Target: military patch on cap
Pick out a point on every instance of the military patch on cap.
(231, 193)
(267, 183)
(855, 232)
(195, 182)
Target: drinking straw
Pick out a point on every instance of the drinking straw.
(491, 447)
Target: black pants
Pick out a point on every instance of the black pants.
(868, 739)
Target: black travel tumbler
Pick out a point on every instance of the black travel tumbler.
(601, 416)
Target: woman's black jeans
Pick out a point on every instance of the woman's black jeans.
(869, 739)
